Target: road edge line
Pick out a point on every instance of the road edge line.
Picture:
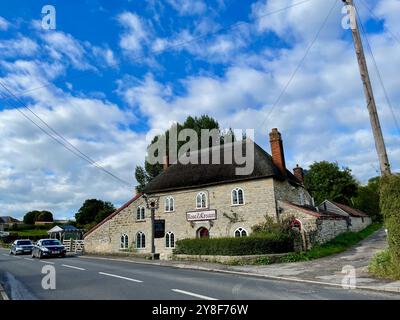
(3, 293)
(395, 290)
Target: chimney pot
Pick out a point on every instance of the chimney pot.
(278, 155)
(165, 162)
(299, 173)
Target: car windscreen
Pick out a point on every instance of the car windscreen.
(24, 243)
(51, 243)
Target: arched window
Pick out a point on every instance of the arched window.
(201, 200)
(237, 196)
(169, 204)
(170, 240)
(240, 232)
(140, 240)
(124, 241)
(140, 213)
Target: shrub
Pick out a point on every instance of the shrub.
(383, 265)
(390, 207)
(271, 226)
(271, 243)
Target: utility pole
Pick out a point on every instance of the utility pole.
(369, 95)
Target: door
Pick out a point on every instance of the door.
(203, 233)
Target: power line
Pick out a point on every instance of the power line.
(377, 18)
(183, 43)
(275, 104)
(378, 73)
(66, 144)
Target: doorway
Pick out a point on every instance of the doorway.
(203, 233)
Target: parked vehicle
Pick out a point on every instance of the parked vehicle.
(21, 247)
(48, 248)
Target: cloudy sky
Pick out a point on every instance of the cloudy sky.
(112, 71)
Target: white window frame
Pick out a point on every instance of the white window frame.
(167, 204)
(124, 241)
(202, 193)
(236, 190)
(142, 234)
(168, 240)
(142, 213)
(241, 230)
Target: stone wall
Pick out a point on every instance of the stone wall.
(358, 224)
(315, 229)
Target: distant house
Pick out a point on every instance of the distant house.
(358, 219)
(7, 221)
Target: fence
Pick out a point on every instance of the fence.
(76, 246)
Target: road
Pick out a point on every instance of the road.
(97, 279)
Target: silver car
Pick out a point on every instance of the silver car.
(21, 247)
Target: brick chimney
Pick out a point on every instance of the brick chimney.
(278, 155)
(165, 162)
(299, 173)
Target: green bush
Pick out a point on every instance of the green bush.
(272, 243)
(384, 266)
(390, 207)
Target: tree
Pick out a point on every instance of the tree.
(325, 180)
(31, 216)
(45, 216)
(145, 174)
(368, 198)
(93, 211)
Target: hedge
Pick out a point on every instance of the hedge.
(390, 207)
(272, 243)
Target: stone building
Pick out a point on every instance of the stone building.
(212, 200)
(358, 220)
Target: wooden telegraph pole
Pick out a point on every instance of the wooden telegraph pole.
(369, 95)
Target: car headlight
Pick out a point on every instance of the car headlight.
(45, 250)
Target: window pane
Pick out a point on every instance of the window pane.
(244, 233)
(198, 201)
(172, 240)
(234, 197)
(237, 233)
(138, 214)
(240, 196)
(166, 204)
(203, 200)
(171, 204)
(143, 241)
(138, 240)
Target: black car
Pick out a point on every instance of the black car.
(48, 248)
(21, 247)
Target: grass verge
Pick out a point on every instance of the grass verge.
(382, 265)
(337, 245)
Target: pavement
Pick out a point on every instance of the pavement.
(105, 278)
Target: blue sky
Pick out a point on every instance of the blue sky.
(113, 71)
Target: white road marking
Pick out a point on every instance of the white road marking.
(120, 277)
(193, 294)
(46, 262)
(6, 255)
(73, 267)
(29, 259)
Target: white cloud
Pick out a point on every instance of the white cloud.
(136, 32)
(21, 46)
(4, 24)
(63, 46)
(188, 7)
